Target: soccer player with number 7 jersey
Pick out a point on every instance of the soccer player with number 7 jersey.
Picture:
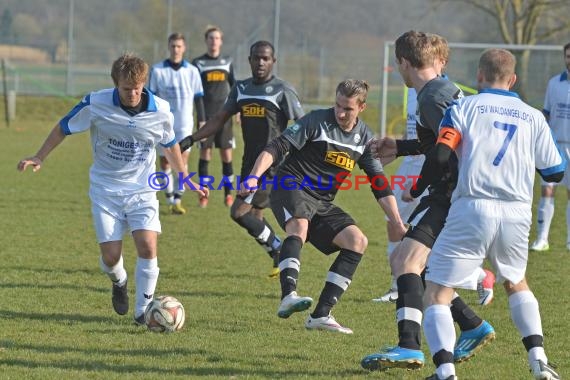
(499, 141)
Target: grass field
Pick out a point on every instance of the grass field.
(56, 319)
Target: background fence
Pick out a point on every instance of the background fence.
(65, 47)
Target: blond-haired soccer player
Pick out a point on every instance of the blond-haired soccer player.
(126, 123)
(500, 142)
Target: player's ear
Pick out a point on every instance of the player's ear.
(512, 81)
(362, 107)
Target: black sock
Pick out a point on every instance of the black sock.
(533, 341)
(203, 167)
(410, 296)
(262, 232)
(464, 316)
(289, 264)
(338, 279)
(228, 172)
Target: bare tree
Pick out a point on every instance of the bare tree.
(525, 22)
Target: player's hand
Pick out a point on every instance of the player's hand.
(383, 149)
(34, 162)
(406, 195)
(400, 229)
(203, 192)
(248, 187)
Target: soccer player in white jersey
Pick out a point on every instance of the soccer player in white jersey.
(178, 81)
(499, 141)
(557, 112)
(410, 166)
(126, 124)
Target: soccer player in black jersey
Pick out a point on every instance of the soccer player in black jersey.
(418, 59)
(321, 149)
(266, 103)
(217, 73)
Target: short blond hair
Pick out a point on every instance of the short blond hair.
(497, 65)
(130, 68)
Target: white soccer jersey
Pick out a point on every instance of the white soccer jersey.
(412, 100)
(500, 146)
(178, 88)
(123, 146)
(557, 106)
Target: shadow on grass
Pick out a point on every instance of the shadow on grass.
(52, 270)
(227, 371)
(55, 317)
(29, 285)
(49, 349)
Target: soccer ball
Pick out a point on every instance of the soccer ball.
(164, 314)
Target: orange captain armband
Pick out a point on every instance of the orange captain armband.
(449, 136)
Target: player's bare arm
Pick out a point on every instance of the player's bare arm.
(55, 137)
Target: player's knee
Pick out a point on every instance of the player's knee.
(359, 242)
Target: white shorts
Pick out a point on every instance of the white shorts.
(564, 149)
(479, 228)
(112, 215)
(410, 166)
(179, 135)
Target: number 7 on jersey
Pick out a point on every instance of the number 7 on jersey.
(511, 129)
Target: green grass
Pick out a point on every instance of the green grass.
(56, 317)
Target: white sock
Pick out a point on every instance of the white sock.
(526, 316)
(391, 246)
(545, 214)
(117, 273)
(146, 276)
(440, 335)
(537, 353)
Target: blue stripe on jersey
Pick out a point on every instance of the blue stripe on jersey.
(116, 100)
(167, 63)
(554, 169)
(546, 112)
(64, 123)
(151, 102)
(564, 76)
(172, 143)
(447, 121)
(198, 95)
(499, 92)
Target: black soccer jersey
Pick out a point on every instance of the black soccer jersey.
(265, 110)
(217, 79)
(433, 100)
(325, 154)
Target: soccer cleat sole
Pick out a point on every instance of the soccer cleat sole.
(486, 340)
(300, 306)
(377, 364)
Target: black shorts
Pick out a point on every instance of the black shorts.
(223, 139)
(427, 220)
(326, 220)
